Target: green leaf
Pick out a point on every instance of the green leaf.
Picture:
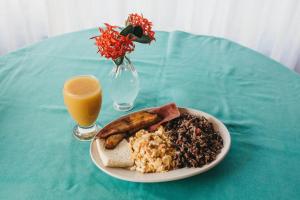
(128, 29)
(138, 31)
(144, 39)
(119, 60)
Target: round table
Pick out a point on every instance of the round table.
(257, 98)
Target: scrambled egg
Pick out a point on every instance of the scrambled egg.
(152, 151)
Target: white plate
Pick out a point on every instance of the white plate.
(135, 176)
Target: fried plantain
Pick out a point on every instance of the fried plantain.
(113, 140)
(130, 123)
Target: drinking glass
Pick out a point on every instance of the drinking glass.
(83, 99)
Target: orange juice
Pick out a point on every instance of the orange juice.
(83, 98)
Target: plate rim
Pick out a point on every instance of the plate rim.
(208, 167)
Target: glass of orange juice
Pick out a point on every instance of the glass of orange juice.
(83, 98)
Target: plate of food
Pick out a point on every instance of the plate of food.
(160, 144)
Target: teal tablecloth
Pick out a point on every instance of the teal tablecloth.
(257, 98)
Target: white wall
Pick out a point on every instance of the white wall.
(269, 26)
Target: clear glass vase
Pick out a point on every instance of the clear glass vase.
(123, 85)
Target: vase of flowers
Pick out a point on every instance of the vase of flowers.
(116, 43)
(124, 85)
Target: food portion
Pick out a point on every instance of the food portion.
(159, 140)
(113, 140)
(152, 151)
(131, 123)
(120, 156)
(195, 140)
(167, 113)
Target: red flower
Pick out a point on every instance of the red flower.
(112, 44)
(138, 20)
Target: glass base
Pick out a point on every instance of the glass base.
(123, 106)
(85, 133)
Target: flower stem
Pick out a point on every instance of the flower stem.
(128, 60)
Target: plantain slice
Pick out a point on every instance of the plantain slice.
(113, 140)
(130, 123)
